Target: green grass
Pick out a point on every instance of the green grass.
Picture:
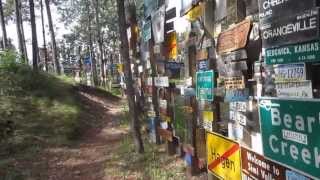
(44, 110)
(154, 164)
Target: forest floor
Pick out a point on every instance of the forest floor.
(101, 150)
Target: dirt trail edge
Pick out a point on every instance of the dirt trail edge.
(87, 161)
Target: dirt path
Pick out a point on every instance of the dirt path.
(88, 160)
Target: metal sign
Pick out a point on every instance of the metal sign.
(233, 95)
(208, 118)
(271, 9)
(238, 106)
(171, 46)
(146, 31)
(149, 6)
(205, 85)
(203, 65)
(158, 20)
(235, 55)
(290, 133)
(223, 157)
(233, 82)
(238, 117)
(291, 29)
(300, 89)
(255, 166)
(290, 72)
(234, 38)
(302, 52)
(161, 81)
(202, 54)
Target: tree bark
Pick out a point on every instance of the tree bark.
(35, 50)
(44, 38)
(100, 42)
(124, 49)
(20, 32)
(53, 39)
(3, 27)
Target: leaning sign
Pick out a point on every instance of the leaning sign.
(290, 133)
(302, 52)
(223, 157)
(205, 85)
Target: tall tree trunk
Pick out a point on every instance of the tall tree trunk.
(20, 34)
(124, 49)
(92, 54)
(53, 39)
(44, 37)
(35, 50)
(100, 42)
(3, 27)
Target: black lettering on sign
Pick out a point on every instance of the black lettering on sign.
(225, 162)
(269, 9)
(291, 29)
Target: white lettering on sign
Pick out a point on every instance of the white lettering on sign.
(305, 22)
(271, 3)
(295, 136)
(295, 123)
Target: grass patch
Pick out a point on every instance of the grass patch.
(153, 164)
(41, 110)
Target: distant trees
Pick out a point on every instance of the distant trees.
(3, 27)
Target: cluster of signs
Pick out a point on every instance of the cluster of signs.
(228, 160)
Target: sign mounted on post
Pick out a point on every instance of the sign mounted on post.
(291, 29)
(146, 31)
(158, 19)
(302, 52)
(236, 95)
(205, 85)
(290, 72)
(223, 157)
(234, 38)
(290, 133)
(235, 55)
(208, 118)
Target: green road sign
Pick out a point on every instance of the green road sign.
(303, 52)
(205, 85)
(290, 133)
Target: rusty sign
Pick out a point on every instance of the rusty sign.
(234, 38)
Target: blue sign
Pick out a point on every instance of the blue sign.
(233, 95)
(87, 60)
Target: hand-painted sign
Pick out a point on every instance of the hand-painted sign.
(234, 38)
(165, 134)
(271, 9)
(208, 120)
(302, 52)
(146, 31)
(299, 89)
(223, 157)
(290, 133)
(161, 81)
(205, 85)
(236, 95)
(291, 29)
(234, 56)
(158, 19)
(290, 72)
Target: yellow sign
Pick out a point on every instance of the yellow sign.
(223, 157)
(171, 46)
(207, 120)
(120, 68)
(195, 12)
